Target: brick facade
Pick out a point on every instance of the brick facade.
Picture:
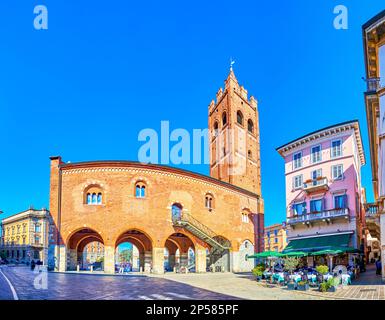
(98, 201)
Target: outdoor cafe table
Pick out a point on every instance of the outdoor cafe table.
(312, 278)
(346, 279)
(327, 276)
(279, 277)
(295, 277)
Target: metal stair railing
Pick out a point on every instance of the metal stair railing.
(200, 230)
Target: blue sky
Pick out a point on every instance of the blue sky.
(84, 88)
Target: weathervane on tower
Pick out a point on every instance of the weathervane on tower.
(231, 64)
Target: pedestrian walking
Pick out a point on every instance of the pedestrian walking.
(378, 266)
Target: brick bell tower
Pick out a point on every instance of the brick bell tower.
(234, 137)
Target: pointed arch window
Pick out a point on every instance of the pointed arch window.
(240, 118)
(224, 118)
(216, 129)
(250, 126)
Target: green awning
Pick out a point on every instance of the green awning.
(327, 252)
(319, 243)
(295, 254)
(266, 254)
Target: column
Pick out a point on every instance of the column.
(171, 261)
(184, 259)
(147, 261)
(72, 259)
(158, 260)
(200, 260)
(141, 261)
(61, 258)
(234, 261)
(109, 259)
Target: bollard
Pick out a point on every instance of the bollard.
(141, 269)
(92, 269)
(174, 269)
(77, 268)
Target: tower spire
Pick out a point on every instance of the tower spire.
(231, 73)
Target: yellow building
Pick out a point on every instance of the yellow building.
(275, 237)
(25, 236)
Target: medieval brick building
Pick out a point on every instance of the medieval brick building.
(166, 211)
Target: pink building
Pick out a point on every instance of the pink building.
(324, 197)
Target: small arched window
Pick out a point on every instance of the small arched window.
(249, 154)
(140, 190)
(216, 129)
(245, 216)
(240, 117)
(93, 195)
(224, 118)
(176, 211)
(250, 126)
(209, 201)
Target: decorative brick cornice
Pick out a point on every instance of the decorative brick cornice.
(138, 168)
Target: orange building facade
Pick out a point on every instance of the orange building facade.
(157, 208)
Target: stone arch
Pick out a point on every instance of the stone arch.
(142, 241)
(178, 245)
(75, 244)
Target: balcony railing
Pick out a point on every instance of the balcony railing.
(371, 209)
(373, 85)
(322, 215)
(316, 185)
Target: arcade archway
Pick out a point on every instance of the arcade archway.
(76, 245)
(179, 253)
(141, 252)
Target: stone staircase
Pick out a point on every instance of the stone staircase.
(201, 231)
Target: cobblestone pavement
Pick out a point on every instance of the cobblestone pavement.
(100, 287)
(217, 286)
(240, 285)
(367, 287)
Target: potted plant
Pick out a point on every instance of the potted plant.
(303, 285)
(258, 272)
(291, 264)
(332, 284)
(324, 286)
(322, 269)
